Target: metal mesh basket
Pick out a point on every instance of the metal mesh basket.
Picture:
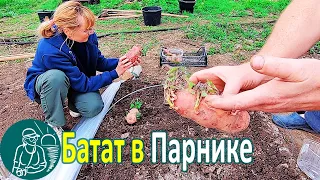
(194, 59)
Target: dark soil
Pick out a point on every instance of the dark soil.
(275, 153)
(274, 157)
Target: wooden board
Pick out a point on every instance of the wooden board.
(16, 57)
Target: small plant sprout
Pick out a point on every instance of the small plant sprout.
(137, 103)
(178, 79)
(134, 113)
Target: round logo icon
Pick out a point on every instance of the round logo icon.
(30, 149)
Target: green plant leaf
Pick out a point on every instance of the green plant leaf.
(138, 115)
(137, 103)
(191, 85)
(203, 94)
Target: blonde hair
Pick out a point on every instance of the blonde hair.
(66, 16)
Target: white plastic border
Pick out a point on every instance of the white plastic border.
(86, 128)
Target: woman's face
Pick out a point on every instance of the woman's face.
(81, 33)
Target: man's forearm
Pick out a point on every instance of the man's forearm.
(296, 31)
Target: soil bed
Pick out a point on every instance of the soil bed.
(274, 155)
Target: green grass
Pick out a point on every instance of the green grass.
(205, 8)
(315, 49)
(227, 36)
(213, 21)
(148, 46)
(12, 8)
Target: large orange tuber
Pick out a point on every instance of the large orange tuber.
(134, 53)
(186, 98)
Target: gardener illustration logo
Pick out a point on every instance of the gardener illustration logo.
(30, 149)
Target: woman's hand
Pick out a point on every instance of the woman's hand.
(137, 62)
(295, 86)
(123, 65)
(134, 54)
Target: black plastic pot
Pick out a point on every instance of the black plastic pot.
(43, 14)
(187, 5)
(152, 15)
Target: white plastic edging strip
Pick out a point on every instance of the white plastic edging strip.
(86, 128)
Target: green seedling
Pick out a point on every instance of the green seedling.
(137, 103)
(134, 113)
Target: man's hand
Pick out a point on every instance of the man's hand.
(295, 86)
(230, 80)
(123, 65)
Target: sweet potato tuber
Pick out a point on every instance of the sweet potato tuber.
(132, 116)
(134, 53)
(167, 52)
(186, 99)
(209, 117)
(173, 55)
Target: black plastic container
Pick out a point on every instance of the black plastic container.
(43, 14)
(187, 5)
(152, 15)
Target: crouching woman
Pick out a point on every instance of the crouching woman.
(65, 66)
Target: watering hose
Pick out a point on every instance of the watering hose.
(5, 42)
(148, 87)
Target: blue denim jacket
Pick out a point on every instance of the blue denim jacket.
(53, 53)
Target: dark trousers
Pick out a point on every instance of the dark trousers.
(53, 87)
